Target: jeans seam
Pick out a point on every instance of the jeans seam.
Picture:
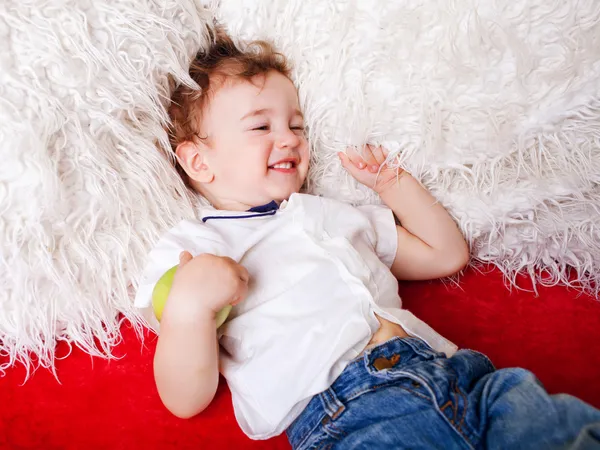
(324, 447)
(458, 424)
(391, 383)
(366, 391)
(450, 423)
(465, 407)
(320, 445)
(334, 432)
(308, 434)
(439, 411)
(417, 393)
(427, 353)
(329, 430)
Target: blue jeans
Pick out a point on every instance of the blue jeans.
(402, 394)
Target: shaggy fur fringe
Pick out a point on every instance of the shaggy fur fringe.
(494, 106)
(84, 193)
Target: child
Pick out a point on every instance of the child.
(317, 344)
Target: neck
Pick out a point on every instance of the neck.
(228, 204)
(224, 203)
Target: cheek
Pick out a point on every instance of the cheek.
(245, 158)
(251, 164)
(257, 155)
(305, 156)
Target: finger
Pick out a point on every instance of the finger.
(241, 292)
(243, 274)
(240, 295)
(370, 159)
(355, 158)
(348, 165)
(343, 159)
(380, 154)
(351, 150)
(184, 258)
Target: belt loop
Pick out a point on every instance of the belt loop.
(332, 404)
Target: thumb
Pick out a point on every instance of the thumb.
(184, 258)
(241, 294)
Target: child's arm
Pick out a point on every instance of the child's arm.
(186, 366)
(430, 245)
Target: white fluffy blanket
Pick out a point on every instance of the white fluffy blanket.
(84, 192)
(494, 105)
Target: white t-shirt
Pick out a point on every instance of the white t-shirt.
(319, 272)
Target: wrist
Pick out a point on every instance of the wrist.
(391, 189)
(392, 184)
(190, 311)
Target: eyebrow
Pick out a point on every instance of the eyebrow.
(260, 112)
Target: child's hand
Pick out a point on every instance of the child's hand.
(208, 283)
(370, 168)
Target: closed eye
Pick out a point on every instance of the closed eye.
(261, 128)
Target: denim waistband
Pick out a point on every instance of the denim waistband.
(356, 379)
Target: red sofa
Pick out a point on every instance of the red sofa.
(114, 405)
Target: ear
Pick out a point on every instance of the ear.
(191, 157)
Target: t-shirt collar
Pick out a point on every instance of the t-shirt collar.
(271, 206)
(268, 209)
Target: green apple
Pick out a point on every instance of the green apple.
(161, 293)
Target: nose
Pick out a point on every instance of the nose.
(288, 139)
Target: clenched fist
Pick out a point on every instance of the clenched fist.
(206, 283)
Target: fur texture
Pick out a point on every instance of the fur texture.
(83, 190)
(493, 105)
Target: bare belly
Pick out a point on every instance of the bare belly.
(387, 331)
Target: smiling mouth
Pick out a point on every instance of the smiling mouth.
(288, 166)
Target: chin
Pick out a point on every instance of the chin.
(281, 197)
(283, 192)
(284, 195)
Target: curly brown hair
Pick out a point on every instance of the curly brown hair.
(222, 61)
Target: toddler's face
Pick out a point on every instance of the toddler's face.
(256, 146)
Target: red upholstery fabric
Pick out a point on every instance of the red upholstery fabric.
(113, 404)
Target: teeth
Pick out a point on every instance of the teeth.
(285, 165)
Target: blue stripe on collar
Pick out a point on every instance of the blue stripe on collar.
(271, 206)
(263, 210)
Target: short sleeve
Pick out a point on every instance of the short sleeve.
(384, 224)
(190, 235)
